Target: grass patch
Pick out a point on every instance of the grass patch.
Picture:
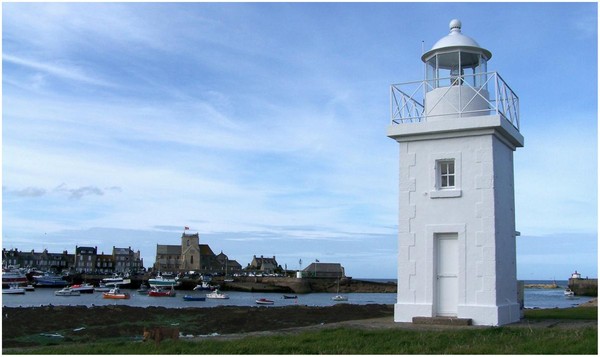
(498, 340)
(574, 313)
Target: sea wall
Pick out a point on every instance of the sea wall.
(584, 287)
(305, 285)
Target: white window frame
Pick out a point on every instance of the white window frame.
(448, 191)
(446, 170)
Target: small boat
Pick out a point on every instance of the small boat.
(157, 292)
(13, 289)
(143, 290)
(290, 296)
(339, 298)
(263, 301)
(29, 287)
(50, 280)
(115, 293)
(116, 280)
(83, 288)
(203, 286)
(162, 281)
(13, 276)
(193, 298)
(216, 295)
(568, 292)
(102, 288)
(66, 291)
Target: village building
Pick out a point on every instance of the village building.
(126, 260)
(105, 264)
(191, 256)
(324, 270)
(264, 265)
(85, 259)
(43, 261)
(229, 266)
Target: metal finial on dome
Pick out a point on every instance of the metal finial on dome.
(455, 25)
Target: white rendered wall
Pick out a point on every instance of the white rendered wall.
(480, 210)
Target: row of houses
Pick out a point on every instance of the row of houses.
(190, 255)
(85, 260)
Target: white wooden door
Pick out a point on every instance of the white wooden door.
(447, 274)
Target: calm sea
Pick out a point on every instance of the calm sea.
(534, 298)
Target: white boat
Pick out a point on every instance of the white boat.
(115, 294)
(83, 288)
(339, 298)
(161, 281)
(203, 286)
(29, 287)
(13, 289)
(66, 291)
(216, 295)
(568, 292)
(102, 288)
(116, 280)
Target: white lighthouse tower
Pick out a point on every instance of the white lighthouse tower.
(457, 130)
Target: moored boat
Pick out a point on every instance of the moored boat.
(216, 295)
(203, 286)
(50, 280)
(13, 276)
(83, 288)
(263, 301)
(29, 287)
(66, 291)
(13, 289)
(116, 280)
(115, 293)
(194, 298)
(290, 296)
(102, 288)
(162, 281)
(339, 298)
(568, 292)
(158, 292)
(143, 290)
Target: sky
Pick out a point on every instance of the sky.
(262, 126)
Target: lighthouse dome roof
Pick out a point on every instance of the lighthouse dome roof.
(456, 40)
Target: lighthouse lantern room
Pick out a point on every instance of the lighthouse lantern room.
(457, 130)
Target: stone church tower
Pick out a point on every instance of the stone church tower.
(190, 252)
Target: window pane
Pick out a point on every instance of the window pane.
(450, 181)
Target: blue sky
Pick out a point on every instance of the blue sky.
(263, 126)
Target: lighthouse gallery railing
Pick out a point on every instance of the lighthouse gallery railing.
(408, 99)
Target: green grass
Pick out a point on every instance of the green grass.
(492, 340)
(575, 313)
(500, 340)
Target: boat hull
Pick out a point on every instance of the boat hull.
(115, 296)
(264, 302)
(162, 293)
(193, 298)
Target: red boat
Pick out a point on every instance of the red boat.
(159, 292)
(264, 301)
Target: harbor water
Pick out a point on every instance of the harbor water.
(534, 298)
